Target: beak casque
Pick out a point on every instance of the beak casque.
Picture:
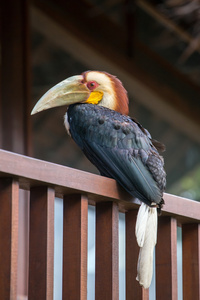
(68, 91)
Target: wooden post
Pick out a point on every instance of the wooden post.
(14, 104)
(133, 290)
(75, 226)
(107, 252)
(166, 259)
(15, 77)
(9, 200)
(191, 261)
(41, 252)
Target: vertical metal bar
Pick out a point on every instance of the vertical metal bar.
(9, 209)
(41, 245)
(75, 224)
(166, 259)
(191, 261)
(107, 251)
(133, 290)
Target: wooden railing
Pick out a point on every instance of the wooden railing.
(78, 189)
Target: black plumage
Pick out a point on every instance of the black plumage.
(120, 148)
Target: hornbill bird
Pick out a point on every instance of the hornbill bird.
(97, 119)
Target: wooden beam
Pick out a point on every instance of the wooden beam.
(166, 22)
(15, 77)
(15, 133)
(129, 8)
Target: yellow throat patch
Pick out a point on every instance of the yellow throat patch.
(94, 98)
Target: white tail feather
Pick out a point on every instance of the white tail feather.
(141, 224)
(146, 234)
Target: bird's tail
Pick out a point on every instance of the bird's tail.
(146, 235)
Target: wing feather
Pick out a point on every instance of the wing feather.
(120, 149)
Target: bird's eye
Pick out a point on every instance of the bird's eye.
(91, 85)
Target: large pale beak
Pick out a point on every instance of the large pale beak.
(68, 91)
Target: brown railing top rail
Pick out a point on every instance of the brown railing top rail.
(32, 172)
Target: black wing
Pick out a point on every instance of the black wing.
(118, 147)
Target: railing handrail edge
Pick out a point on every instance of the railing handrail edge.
(31, 171)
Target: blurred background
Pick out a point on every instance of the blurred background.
(153, 47)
